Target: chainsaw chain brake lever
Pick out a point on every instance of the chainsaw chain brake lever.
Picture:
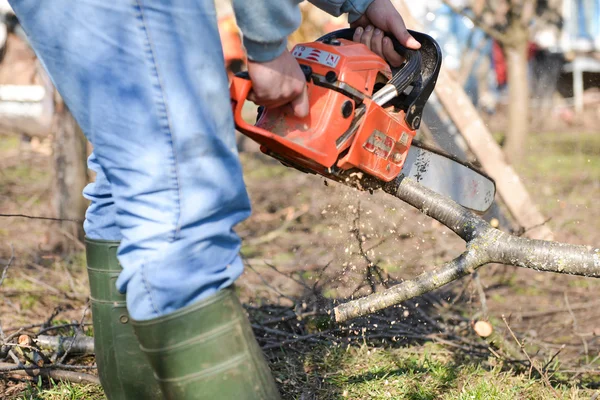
(421, 69)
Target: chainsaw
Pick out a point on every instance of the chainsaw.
(362, 120)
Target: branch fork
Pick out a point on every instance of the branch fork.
(484, 245)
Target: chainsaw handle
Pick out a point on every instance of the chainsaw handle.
(239, 89)
(421, 70)
(403, 77)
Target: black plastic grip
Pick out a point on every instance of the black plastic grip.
(401, 78)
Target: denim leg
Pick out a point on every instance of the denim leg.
(100, 218)
(146, 82)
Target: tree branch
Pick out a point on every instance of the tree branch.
(488, 30)
(485, 245)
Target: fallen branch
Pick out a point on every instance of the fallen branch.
(60, 344)
(43, 218)
(485, 245)
(53, 372)
(521, 345)
(289, 219)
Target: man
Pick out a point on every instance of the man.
(145, 81)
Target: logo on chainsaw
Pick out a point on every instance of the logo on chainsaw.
(316, 55)
(379, 144)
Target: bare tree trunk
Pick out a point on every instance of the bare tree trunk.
(70, 173)
(518, 98)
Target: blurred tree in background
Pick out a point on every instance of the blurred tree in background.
(513, 24)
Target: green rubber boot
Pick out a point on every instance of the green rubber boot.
(207, 351)
(125, 373)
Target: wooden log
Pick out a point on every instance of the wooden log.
(76, 345)
(481, 143)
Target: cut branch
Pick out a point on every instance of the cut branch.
(60, 344)
(485, 245)
(21, 372)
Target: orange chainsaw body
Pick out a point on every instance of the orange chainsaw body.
(342, 79)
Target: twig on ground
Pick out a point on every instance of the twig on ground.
(41, 283)
(14, 357)
(41, 218)
(12, 292)
(62, 326)
(372, 267)
(576, 328)
(72, 342)
(298, 281)
(73, 239)
(573, 307)
(482, 298)
(69, 277)
(2, 277)
(531, 363)
(553, 357)
(19, 329)
(274, 234)
(59, 372)
(267, 284)
(47, 322)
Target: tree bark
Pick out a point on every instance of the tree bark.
(70, 173)
(77, 345)
(518, 96)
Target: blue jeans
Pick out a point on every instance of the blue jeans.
(145, 79)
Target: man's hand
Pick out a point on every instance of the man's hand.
(279, 82)
(381, 16)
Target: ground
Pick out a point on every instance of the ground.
(302, 248)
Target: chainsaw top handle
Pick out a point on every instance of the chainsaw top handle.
(420, 70)
(402, 77)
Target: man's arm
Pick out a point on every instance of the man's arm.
(277, 79)
(354, 8)
(265, 26)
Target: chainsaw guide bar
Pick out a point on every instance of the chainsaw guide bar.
(362, 121)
